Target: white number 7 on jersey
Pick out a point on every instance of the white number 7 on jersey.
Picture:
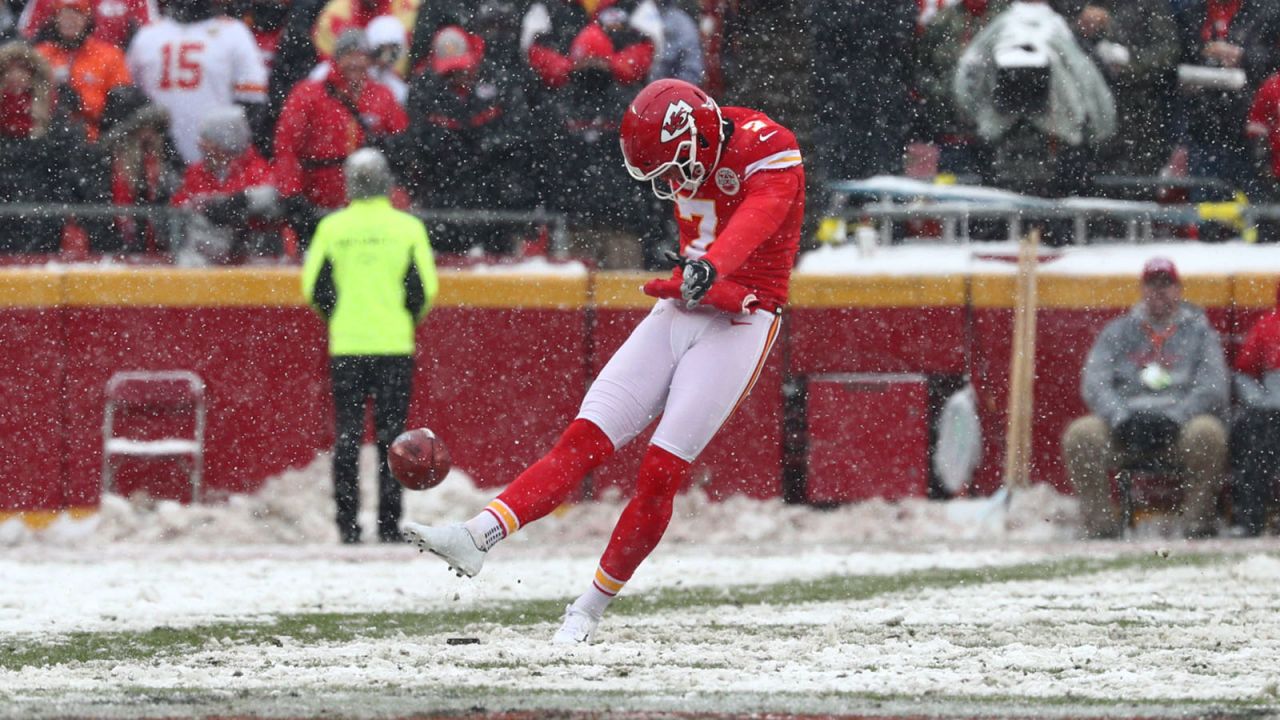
(701, 213)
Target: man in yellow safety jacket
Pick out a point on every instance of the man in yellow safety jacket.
(370, 273)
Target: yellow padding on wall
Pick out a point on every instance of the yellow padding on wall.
(1091, 292)
(41, 519)
(1255, 291)
(836, 291)
(260, 287)
(278, 287)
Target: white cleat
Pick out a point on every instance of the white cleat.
(453, 543)
(577, 628)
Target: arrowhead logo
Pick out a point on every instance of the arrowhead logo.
(678, 121)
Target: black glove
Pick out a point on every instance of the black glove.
(698, 277)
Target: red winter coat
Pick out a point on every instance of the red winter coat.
(317, 131)
(1260, 353)
(246, 171)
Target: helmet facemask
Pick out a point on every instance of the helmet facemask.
(685, 164)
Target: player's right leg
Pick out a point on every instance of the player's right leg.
(624, 398)
(541, 488)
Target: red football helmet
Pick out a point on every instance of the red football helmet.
(672, 137)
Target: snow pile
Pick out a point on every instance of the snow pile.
(296, 508)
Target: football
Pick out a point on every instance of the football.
(418, 459)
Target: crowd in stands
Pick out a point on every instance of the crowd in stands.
(242, 111)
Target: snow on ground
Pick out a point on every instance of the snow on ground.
(1160, 635)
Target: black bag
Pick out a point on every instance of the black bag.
(1146, 433)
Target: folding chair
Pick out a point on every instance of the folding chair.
(168, 397)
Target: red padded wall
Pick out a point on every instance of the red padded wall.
(499, 384)
(265, 385)
(31, 408)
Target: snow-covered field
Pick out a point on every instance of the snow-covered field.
(967, 607)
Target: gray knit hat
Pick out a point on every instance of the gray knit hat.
(227, 129)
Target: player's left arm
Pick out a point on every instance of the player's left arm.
(769, 198)
(770, 195)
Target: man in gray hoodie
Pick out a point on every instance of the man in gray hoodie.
(1156, 385)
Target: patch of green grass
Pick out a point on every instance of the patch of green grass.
(318, 628)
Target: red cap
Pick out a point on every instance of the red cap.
(83, 6)
(1160, 267)
(455, 49)
(591, 42)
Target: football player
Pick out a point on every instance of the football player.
(737, 182)
(192, 62)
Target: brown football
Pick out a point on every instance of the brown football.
(418, 459)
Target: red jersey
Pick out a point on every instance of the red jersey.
(246, 171)
(746, 217)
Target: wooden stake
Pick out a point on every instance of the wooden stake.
(1017, 462)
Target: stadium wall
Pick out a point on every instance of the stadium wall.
(503, 361)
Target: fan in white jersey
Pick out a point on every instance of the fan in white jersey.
(192, 64)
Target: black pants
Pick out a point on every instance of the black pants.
(388, 379)
(1255, 458)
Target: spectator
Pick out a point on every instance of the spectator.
(231, 187)
(387, 48)
(438, 13)
(44, 157)
(862, 77)
(193, 63)
(339, 16)
(89, 65)
(8, 20)
(144, 167)
(1262, 134)
(1262, 131)
(929, 9)
(295, 57)
(938, 53)
(1222, 34)
(370, 274)
(324, 121)
(1255, 436)
(589, 63)
(499, 24)
(1136, 45)
(1038, 101)
(1155, 383)
(114, 21)
(467, 144)
(681, 54)
(266, 19)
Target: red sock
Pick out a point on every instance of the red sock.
(547, 483)
(646, 517)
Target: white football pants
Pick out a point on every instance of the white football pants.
(691, 366)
